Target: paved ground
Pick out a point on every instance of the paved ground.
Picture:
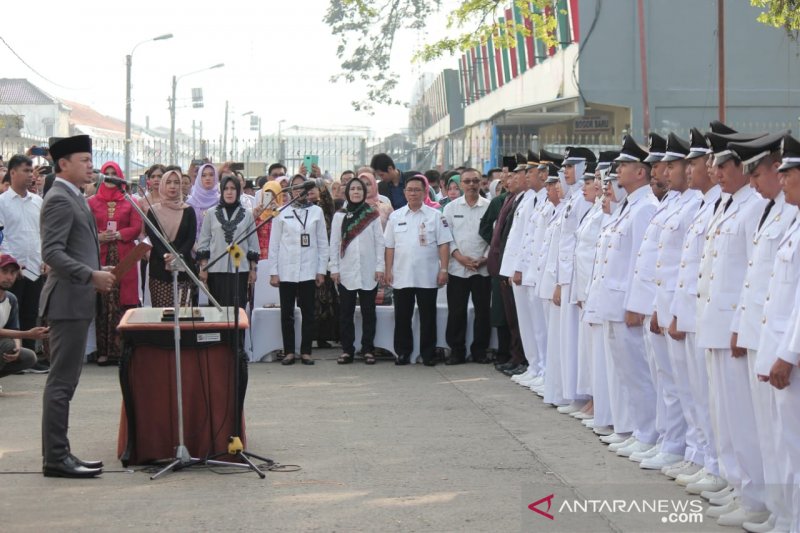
(382, 448)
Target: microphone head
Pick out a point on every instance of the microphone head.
(310, 184)
(113, 180)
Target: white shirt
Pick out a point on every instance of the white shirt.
(363, 257)
(20, 216)
(586, 238)
(780, 321)
(576, 207)
(288, 259)
(416, 264)
(516, 235)
(464, 222)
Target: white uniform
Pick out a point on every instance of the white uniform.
(532, 277)
(747, 324)
(737, 434)
(415, 237)
(624, 344)
(608, 410)
(779, 339)
(532, 329)
(576, 207)
(363, 257)
(585, 249)
(553, 385)
(684, 309)
(291, 261)
(673, 379)
(670, 424)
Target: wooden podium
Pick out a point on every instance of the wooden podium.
(148, 430)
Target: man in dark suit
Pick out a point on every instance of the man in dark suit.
(71, 249)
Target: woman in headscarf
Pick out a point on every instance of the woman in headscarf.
(118, 228)
(367, 177)
(452, 190)
(222, 226)
(427, 195)
(270, 200)
(326, 303)
(298, 262)
(205, 193)
(495, 188)
(174, 219)
(357, 266)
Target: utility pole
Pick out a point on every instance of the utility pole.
(721, 56)
(225, 134)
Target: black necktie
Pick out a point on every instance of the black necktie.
(766, 213)
(727, 204)
(535, 200)
(702, 203)
(624, 205)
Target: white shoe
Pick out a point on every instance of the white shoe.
(614, 438)
(569, 409)
(525, 376)
(589, 423)
(660, 461)
(580, 415)
(760, 527)
(615, 444)
(637, 446)
(688, 468)
(740, 516)
(723, 500)
(638, 457)
(538, 381)
(709, 494)
(717, 511)
(603, 431)
(709, 482)
(685, 479)
(675, 466)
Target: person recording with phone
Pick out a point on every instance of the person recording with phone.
(118, 227)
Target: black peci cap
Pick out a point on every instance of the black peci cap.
(677, 148)
(790, 152)
(657, 146)
(631, 151)
(753, 152)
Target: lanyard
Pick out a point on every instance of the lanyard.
(303, 223)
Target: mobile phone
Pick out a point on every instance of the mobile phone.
(39, 151)
(237, 166)
(111, 226)
(310, 160)
(197, 162)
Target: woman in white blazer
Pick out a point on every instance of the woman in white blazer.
(356, 266)
(298, 253)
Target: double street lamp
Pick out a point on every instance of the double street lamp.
(172, 108)
(128, 63)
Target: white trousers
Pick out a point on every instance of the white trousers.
(583, 383)
(553, 384)
(602, 402)
(569, 346)
(697, 367)
(787, 437)
(670, 424)
(539, 329)
(739, 455)
(526, 328)
(683, 389)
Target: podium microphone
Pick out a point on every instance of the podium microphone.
(118, 182)
(306, 185)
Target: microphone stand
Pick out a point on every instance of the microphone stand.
(178, 264)
(235, 446)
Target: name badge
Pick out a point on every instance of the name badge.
(401, 227)
(458, 216)
(289, 216)
(305, 240)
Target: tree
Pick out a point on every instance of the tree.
(366, 32)
(780, 14)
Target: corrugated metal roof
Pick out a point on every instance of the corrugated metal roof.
(19, 91)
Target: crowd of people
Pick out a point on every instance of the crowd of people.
(649, 293)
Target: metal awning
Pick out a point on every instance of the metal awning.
(540, 114)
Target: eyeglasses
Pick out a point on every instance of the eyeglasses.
(467, 182)
(413, 190)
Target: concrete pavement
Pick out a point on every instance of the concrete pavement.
(381, 448)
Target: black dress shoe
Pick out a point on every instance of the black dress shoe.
(402, 360)
(502, 367)
(519, 369)
(454, 360)
(87, 464)
(68, 467)
(430, 361)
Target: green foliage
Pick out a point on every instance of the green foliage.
(366, 31)
(780, 14)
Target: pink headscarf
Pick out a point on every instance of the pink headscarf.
(427, 198)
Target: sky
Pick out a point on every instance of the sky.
(278, 56)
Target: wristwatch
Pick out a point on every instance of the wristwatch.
(443, 270)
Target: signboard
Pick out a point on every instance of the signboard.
(593, 124)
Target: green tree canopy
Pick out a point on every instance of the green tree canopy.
(366, 32)
(780, 14)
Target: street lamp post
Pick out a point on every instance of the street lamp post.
(128, 63)
(280, 141)
(172, 108)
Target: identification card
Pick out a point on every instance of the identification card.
(423, 237)
(305, 240)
